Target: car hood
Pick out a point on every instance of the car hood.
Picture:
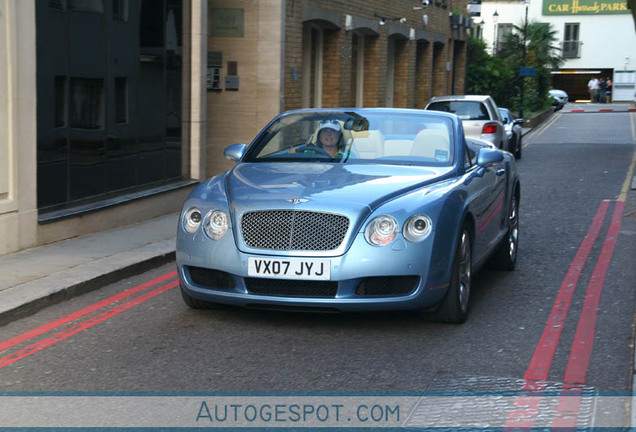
(351, 189)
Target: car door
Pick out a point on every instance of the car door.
(487, 187)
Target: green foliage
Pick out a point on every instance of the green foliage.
(499, 76)
(486, 74)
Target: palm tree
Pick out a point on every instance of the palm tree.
(541, 53)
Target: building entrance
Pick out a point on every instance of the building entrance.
(574, 81)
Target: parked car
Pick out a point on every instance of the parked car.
(398, 218)
(513, 131)
(479, 115)
(558, 98)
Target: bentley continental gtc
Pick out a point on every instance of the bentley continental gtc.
(351, 210)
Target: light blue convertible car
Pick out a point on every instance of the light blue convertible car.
(351, 210)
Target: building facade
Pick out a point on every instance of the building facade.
(111, 110)
(596, 38)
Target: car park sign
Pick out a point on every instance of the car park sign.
(528, 71)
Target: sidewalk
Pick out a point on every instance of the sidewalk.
(33, 278)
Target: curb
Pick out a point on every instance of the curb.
(537, 119)
(30, 297)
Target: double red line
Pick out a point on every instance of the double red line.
(88, 322)
(581, 350)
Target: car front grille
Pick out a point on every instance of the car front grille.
(293, 230)
(291, 288)
(387, 286)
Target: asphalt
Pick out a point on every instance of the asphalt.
(34, 278)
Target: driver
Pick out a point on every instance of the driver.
(330, 137)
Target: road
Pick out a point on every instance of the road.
(566, 315)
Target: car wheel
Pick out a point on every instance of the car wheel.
(505, 257)
(195, 303)
(454, 307)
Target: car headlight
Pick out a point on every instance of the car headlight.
(215, 224)
(192, 220)
(381, 230)
(417, 228)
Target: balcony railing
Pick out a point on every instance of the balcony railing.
(571, 49)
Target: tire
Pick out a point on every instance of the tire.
(454, 308)
(518, 145)
(505, 257)
(194, 303)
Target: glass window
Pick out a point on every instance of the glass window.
(87, 103)
(121, 100)
(109, 78)
(571, 40)
(60, 101)
(465, 110)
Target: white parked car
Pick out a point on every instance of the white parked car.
(559, 98)
(479, 115)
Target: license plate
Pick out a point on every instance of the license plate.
(290, 268)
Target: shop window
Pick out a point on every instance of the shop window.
(60, 101)
(87, 103)
(121, 100)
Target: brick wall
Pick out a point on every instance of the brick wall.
(420, 69)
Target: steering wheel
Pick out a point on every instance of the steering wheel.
(311, 149)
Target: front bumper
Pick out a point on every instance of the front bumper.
(399, 276)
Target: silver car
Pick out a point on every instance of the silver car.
(479, 115)
(513, 130)
(558, 98)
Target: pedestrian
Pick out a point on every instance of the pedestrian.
(592, 86)
(608, 91)
(602, 88)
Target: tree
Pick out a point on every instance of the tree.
(485, 74)
(499, 76)
(541, 54)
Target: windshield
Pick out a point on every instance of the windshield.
(364, 136)
(465, 110)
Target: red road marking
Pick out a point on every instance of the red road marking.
(569, 404)
(577, 110)
(581, 352)
(83, 325)
(606, 110)
(544, 352)
(82, 312)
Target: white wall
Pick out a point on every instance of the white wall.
(609, 41)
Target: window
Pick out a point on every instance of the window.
(571, 41)
(503, 30)
(120, 10)
(313, 42)
(60, 101)
(121, 100)
(87, 103)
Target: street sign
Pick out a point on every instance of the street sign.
(528, 71)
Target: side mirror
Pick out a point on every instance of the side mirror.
(518, 121)
(234, 152)
(487, 157)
